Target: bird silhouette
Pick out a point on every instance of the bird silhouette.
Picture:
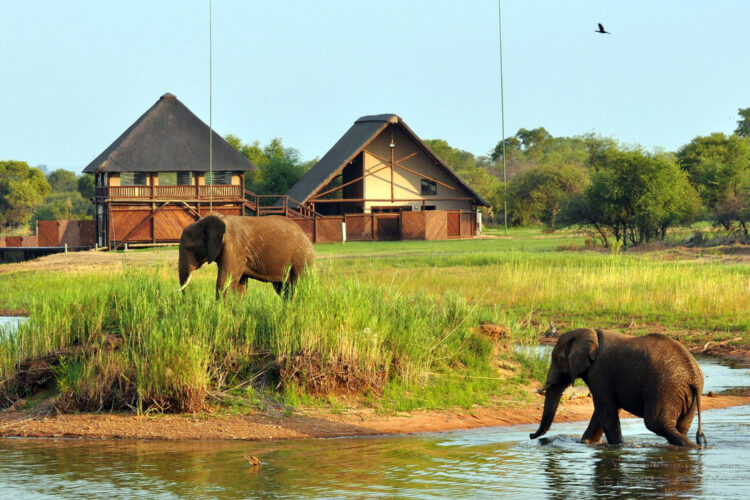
(602, 30)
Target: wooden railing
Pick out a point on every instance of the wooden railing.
(273, 204)
(259, 204)
(170, 192)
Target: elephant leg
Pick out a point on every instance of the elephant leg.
(241, 284)
(668, 431)
(684, 423)
(686, 419)
(594, 431)
(221, 280)
(227, 275)
(285, 288)
(608, 415)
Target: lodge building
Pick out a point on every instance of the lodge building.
(384, 182)
(156, 178)
(379, 181)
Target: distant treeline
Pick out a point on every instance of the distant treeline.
(28, 195)
(626, 194)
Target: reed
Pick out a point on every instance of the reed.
(141, 345)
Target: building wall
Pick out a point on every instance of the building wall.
(407, 185)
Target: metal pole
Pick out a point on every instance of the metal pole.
(210, 110)
(502, 115)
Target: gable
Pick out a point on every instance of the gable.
(372, 135)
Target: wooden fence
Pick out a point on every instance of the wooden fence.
(145, 224)
(75, 233)
(424, 225)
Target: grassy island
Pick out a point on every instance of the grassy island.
(394, 326)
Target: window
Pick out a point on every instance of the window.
(391, 209)
(429, 187)
(167, 178)
(175, 178)
(185, 179)
(218, 178)
(134, 179)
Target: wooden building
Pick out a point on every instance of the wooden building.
(383, 182)
(155, 178)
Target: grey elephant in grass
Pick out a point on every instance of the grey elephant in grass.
(270, 249)
(653, 377)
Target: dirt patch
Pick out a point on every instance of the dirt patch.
(723, 350)
(494, 331)
(336, 376)
(94, 260)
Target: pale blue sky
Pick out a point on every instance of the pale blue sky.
(76, 74)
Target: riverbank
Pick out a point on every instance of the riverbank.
(408, 337)
(300, 424)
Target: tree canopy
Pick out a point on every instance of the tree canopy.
(22, 190)
(62, 181)
(719, 167)
(279, 167)
(743, 124)
(634, 197)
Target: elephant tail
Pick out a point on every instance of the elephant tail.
(699, 433)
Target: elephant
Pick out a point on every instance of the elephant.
(268, 249)
(653, 377)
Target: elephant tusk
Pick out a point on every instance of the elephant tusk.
(182, 288)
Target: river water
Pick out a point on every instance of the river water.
(499, 462)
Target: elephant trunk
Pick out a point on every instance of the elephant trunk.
(186, 265)
(551, 401)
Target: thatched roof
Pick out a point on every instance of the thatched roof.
(359, 135)
(168, 137)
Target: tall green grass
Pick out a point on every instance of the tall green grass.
(175, 349)
(586, 288)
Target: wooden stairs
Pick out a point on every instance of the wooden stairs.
(272, 204)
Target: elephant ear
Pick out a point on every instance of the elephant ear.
(214, 229)
(583, 350)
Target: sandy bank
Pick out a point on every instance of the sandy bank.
(299, 425)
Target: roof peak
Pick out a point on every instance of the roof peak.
(168, 95)
(383, 118)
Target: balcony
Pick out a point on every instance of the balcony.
(165, 193)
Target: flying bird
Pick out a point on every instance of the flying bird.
(602, 30)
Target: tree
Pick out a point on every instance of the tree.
(279, 167)
(474, 171)
(62, 181)
(541, 193)
(86, 186)
(64, 206)
(636, 197)
(719, 167)
(597, 148)
(743, 124)
(22, 189)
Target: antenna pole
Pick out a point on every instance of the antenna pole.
(502, 115)
(210, 110)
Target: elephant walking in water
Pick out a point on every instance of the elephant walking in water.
(270, 249)
(653, 377)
